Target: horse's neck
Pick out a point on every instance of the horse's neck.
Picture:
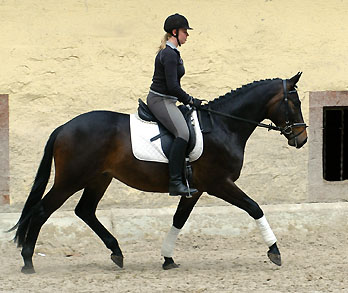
(253, 107)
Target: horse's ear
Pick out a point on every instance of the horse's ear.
(293, 80)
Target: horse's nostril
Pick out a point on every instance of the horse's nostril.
(305, 141)
(302, 144)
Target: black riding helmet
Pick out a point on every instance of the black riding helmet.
(176, 21)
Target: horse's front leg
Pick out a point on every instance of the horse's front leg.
(231, 193)
(181, 215)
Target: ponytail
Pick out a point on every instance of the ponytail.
(164, 41)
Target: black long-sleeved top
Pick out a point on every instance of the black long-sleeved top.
(169, 69)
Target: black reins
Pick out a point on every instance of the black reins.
(287, 130)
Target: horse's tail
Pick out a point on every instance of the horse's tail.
(37, 191)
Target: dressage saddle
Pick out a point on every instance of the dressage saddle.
(165, 136)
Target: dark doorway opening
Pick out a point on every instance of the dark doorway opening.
(335, 143)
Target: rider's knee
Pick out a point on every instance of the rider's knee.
(184, 134)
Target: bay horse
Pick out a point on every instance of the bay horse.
(93, 148)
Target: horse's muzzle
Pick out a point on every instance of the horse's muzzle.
(299, 139)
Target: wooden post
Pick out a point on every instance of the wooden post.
(4, 151)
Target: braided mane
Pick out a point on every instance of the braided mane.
(239, 92)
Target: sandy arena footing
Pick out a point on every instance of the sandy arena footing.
(220, 250)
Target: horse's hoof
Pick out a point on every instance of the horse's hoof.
(170, 266)
(28, 270)
(275, 258)
(117, 259)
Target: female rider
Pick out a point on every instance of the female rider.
(165, 91)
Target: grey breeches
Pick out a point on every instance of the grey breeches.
(166, 111)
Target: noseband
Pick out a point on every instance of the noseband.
(287, 130)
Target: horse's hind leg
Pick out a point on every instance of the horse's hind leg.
(86, 211)
(41, 212)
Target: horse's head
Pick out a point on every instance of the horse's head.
(284, 109)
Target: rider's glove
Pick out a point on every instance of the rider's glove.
(196, 102)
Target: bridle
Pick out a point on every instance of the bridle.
(287, 130)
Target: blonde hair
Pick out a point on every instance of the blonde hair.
(165, 38)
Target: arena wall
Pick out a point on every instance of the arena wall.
(63, 58)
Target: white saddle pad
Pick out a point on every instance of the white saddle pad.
(145, 150)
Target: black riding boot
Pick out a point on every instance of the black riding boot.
(176, 164)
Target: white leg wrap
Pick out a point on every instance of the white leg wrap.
(169, 242)
(266, 231)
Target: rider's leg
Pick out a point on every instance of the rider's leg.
(176, 164)
(169, 115)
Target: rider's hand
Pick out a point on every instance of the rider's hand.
(196, 102)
